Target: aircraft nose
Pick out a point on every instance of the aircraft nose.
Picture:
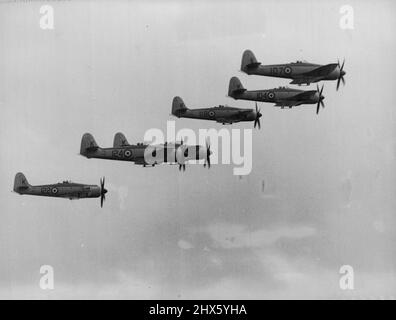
(104, 191)
(343, 73)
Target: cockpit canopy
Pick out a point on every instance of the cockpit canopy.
(300, 62)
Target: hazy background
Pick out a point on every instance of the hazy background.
(321, 193)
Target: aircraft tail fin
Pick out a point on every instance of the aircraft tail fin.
(178, 107)
(249, 61)
(20, 182)
(88, 144)
(120, 140)
(235, 87)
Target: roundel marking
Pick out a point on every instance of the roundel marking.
(287, 70)
(54, 190)
(212, 113)
(271, 95)
(127, 153)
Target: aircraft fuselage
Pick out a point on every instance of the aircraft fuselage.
(220, 114)
(62, 190)
(296, 71)
(279, 96)
(150, 154)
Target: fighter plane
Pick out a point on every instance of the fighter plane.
(145, 154)
(222, 113)
(300, 72)
(65, 189)
(282, 96)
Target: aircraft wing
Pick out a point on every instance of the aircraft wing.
(287, 103)
(306, 80)
(227, 120)
(140, 161)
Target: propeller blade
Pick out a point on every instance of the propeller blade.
(342, 73)
(317, 107)
(208, 153)
(257, 120)
(342, 66)
(102, 191)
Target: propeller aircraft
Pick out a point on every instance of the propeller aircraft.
(145, 154)
(282, 96)
(65, 189)
(300, 72)
(222, 114)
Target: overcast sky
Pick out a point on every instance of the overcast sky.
(321, 193)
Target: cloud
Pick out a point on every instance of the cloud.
(238, 236)
(184, 244)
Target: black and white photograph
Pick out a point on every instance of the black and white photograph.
(192, 150)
